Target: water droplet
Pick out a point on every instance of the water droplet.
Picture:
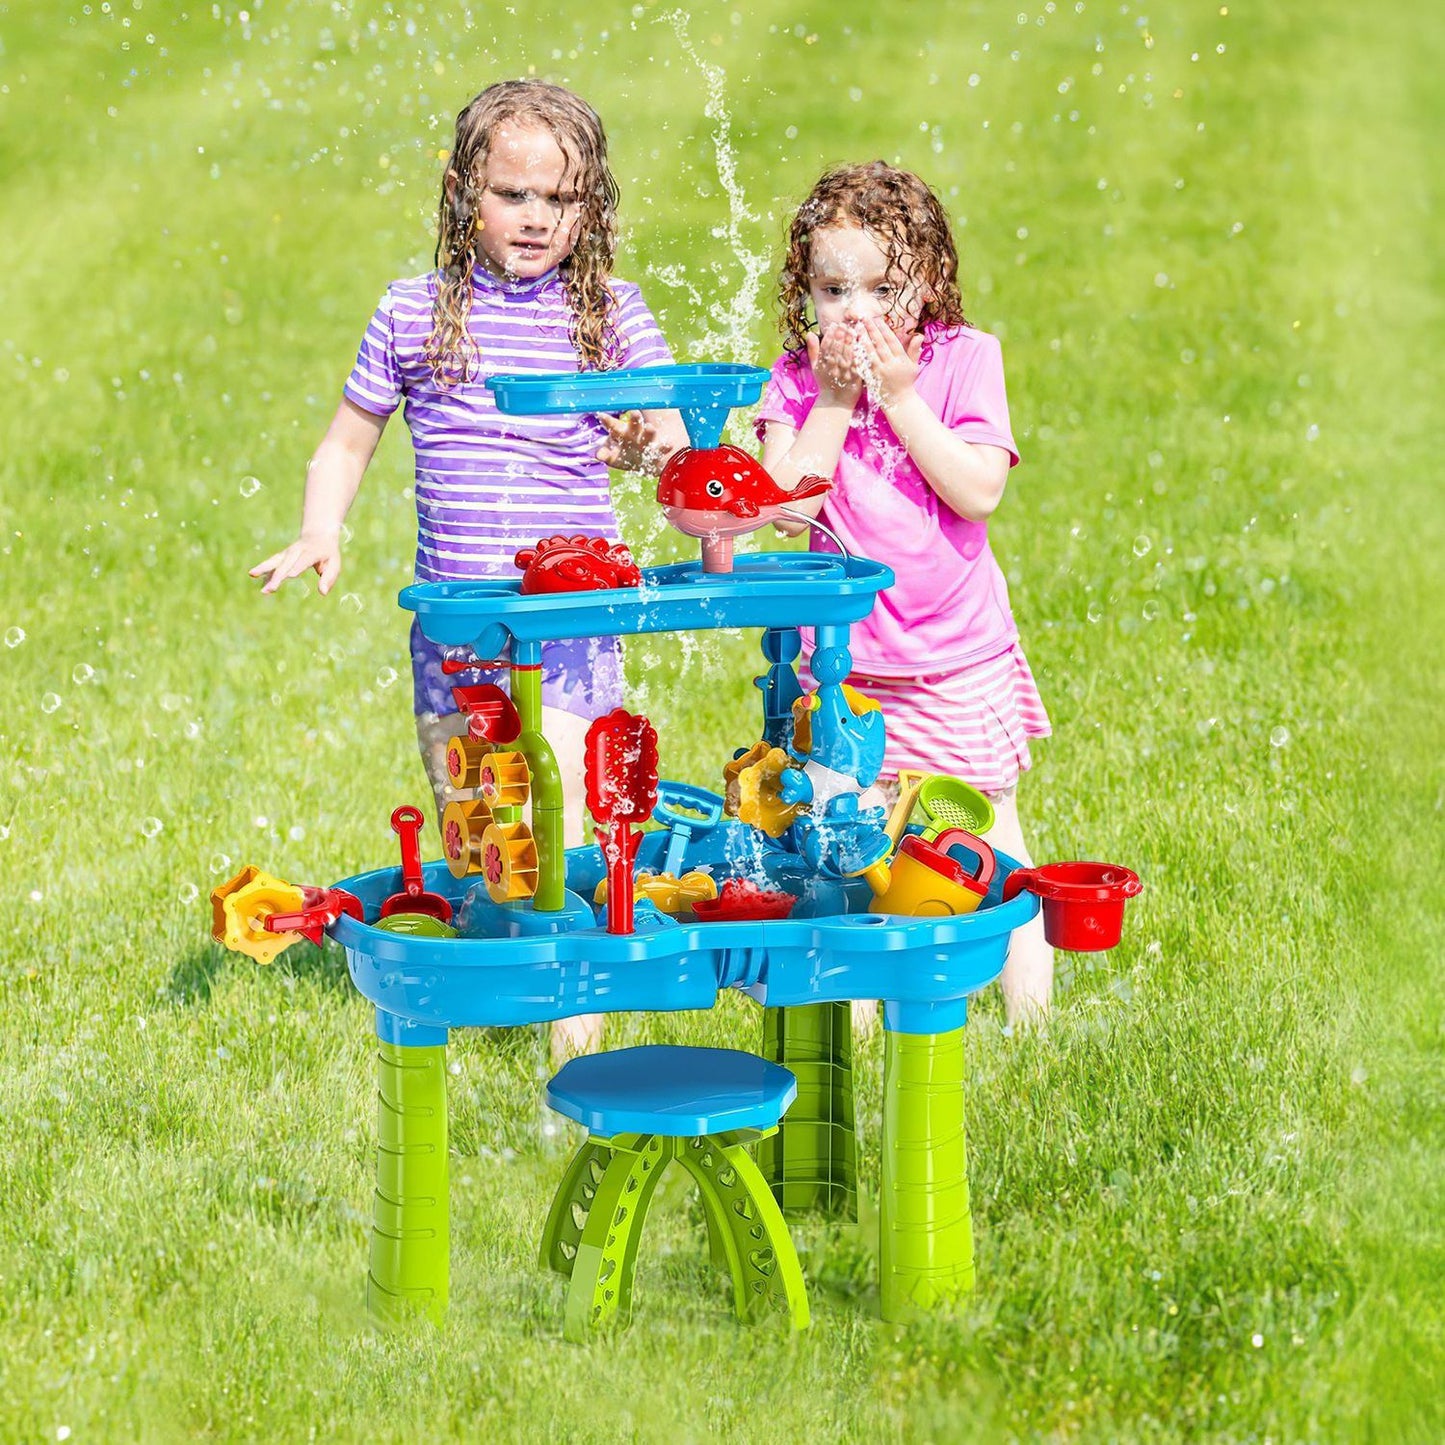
(219, 863)
(1142, 544)
(250, 486)
(150, 826)
(49, 702)
(1279, 737)
(188, 893)
(14, 636)
(81, 673)
(386, 677)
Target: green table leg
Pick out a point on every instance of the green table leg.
(811, 1162)
(925, 1228)
(410, 1234)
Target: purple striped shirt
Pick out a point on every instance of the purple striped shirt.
(488, 483)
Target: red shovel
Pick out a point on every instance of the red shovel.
(621, 776)
(406, 823)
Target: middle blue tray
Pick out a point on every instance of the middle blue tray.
(765, 589)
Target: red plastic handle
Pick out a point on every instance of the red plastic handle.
(987, 863)
(406, 823)
(1016, 882)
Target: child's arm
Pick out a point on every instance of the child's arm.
(813, 450)
(332, 478)
(968, 477)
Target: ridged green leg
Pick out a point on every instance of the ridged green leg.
(571, 1204)
(410, 1211)
(744, 1218)
(925, 1228)
(811, 1162)
(601, 1289)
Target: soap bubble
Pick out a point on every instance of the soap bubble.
(219, 863)
(386, 677)
(188, 893)
(1279, 737)
(81, 673)
(150, 826)
(1142, 545)
(49, 702)
(250, 486)
(14, 636)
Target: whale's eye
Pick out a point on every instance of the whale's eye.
(714, 488)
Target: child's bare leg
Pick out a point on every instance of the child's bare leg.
(433, 733)
(1028, 972)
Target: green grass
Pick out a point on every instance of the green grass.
(1204, 1196)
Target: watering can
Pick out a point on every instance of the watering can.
(923, 880)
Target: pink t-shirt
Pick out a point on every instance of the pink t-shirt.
(948, 606)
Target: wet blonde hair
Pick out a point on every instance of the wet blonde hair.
(903, 216)
(451, 350)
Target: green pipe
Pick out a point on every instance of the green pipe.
(925, 1227)
(410, 1212)
(546, 791)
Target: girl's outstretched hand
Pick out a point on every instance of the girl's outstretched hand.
(835, 359)
(891, 365)
(308, 551)
(632, 443)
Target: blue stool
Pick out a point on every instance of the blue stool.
(642, 1109)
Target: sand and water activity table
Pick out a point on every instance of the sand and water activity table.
(780, 885)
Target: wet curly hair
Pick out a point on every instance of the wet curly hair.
(451, 350)
(902, 214)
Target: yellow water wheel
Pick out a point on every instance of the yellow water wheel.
(464, 761)
(509, 861)
(463, 824)
(505, 780)
(239, 910)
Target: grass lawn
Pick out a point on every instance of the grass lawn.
(1207, 1198)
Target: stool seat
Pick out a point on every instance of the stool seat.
(671, 1090)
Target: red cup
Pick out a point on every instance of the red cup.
(1083, 902)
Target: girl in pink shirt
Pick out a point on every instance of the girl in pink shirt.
(895, 396)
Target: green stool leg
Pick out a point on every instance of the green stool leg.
(745, 1219)
(811, 1162)
(600, 1292)
(925, 1228)
(409, 1235)
(571, 1205)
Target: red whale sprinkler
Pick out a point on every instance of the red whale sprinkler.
(718, 493)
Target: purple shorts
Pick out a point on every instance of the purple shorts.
(583, 677)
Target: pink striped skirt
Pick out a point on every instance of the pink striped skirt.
(974, 723)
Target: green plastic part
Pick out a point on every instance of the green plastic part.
(811, 1163)
(594, 1227)
(546, 790)
(925, 1227)
(410, 1213)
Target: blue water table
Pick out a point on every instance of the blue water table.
(785, 885)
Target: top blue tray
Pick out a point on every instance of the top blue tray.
(704, 392)
(764, 589)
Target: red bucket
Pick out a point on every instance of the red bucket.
(1083, 902)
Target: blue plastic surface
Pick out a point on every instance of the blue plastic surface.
(764, 589)
(673, 1091)
(704, 392)
(541, 966)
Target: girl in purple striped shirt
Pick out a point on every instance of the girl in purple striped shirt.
(525, 240)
